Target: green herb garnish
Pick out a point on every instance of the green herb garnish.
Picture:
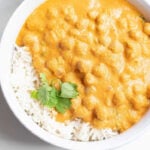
(60, 99)
(69, 90)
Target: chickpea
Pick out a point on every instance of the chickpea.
(54, 25)
(122, 110)
(134, 23)
(67, 43)
(90, 89)
(60, 33)
(30, 38)
(139, 88)
(123, 23)
(94, 5)
(57, 65)
(84, 66)
(147, 28)
(74, 33)
(51, 64)
(125, 77)
(116, 46)
(60, 60)
(87, 37)
(64, 25)
(52, 13)
(70, 15)
(116, 61)
(81, 88)
(76, 102)
(44, 51)
(139, 102)
(51, 24)
(135, 72)
(71, 77)
(35, 24)
(68, 55)
(105, 40)
(51, 37)
(136, 35)
(129, 92)
(93, 14)
(134, 116)
(82, 24)
(81, 48)
(90, 37)
(119, 98)
(122, 122)
(100, 124)
(98, 50)
(59, 72)
(102, 71)
(145, 49)
(38, 61)
(83, 113)
(132, 53)
(108, 100)
(100, 28)
(36, 48)
(92, 26)
(89, 79)
(72, 19)
(133, 50)
(90, 102)
(69, 10)
(103, 113)
(74, 62)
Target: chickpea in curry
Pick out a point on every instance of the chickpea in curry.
(101, 45)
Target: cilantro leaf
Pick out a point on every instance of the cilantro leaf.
(63, 105)
(53, 99)
(43, 78)
(68, 90)
(43, 94)
(47, 96)
(34, 94)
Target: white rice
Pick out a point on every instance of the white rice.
(23, 80)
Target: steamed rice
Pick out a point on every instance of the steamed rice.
(23, 80)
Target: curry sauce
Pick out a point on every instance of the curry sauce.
(101, 45)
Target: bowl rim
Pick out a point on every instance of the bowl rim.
(6, 48)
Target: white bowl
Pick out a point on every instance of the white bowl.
(6, 48)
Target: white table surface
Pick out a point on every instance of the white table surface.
(13, 136)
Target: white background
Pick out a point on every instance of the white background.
(13, 136)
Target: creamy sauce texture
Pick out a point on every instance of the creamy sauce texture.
(101, 45)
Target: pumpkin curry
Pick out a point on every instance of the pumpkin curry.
(103, 46)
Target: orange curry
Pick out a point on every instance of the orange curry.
(101, 45)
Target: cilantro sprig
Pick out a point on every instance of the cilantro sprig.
(52, 97)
